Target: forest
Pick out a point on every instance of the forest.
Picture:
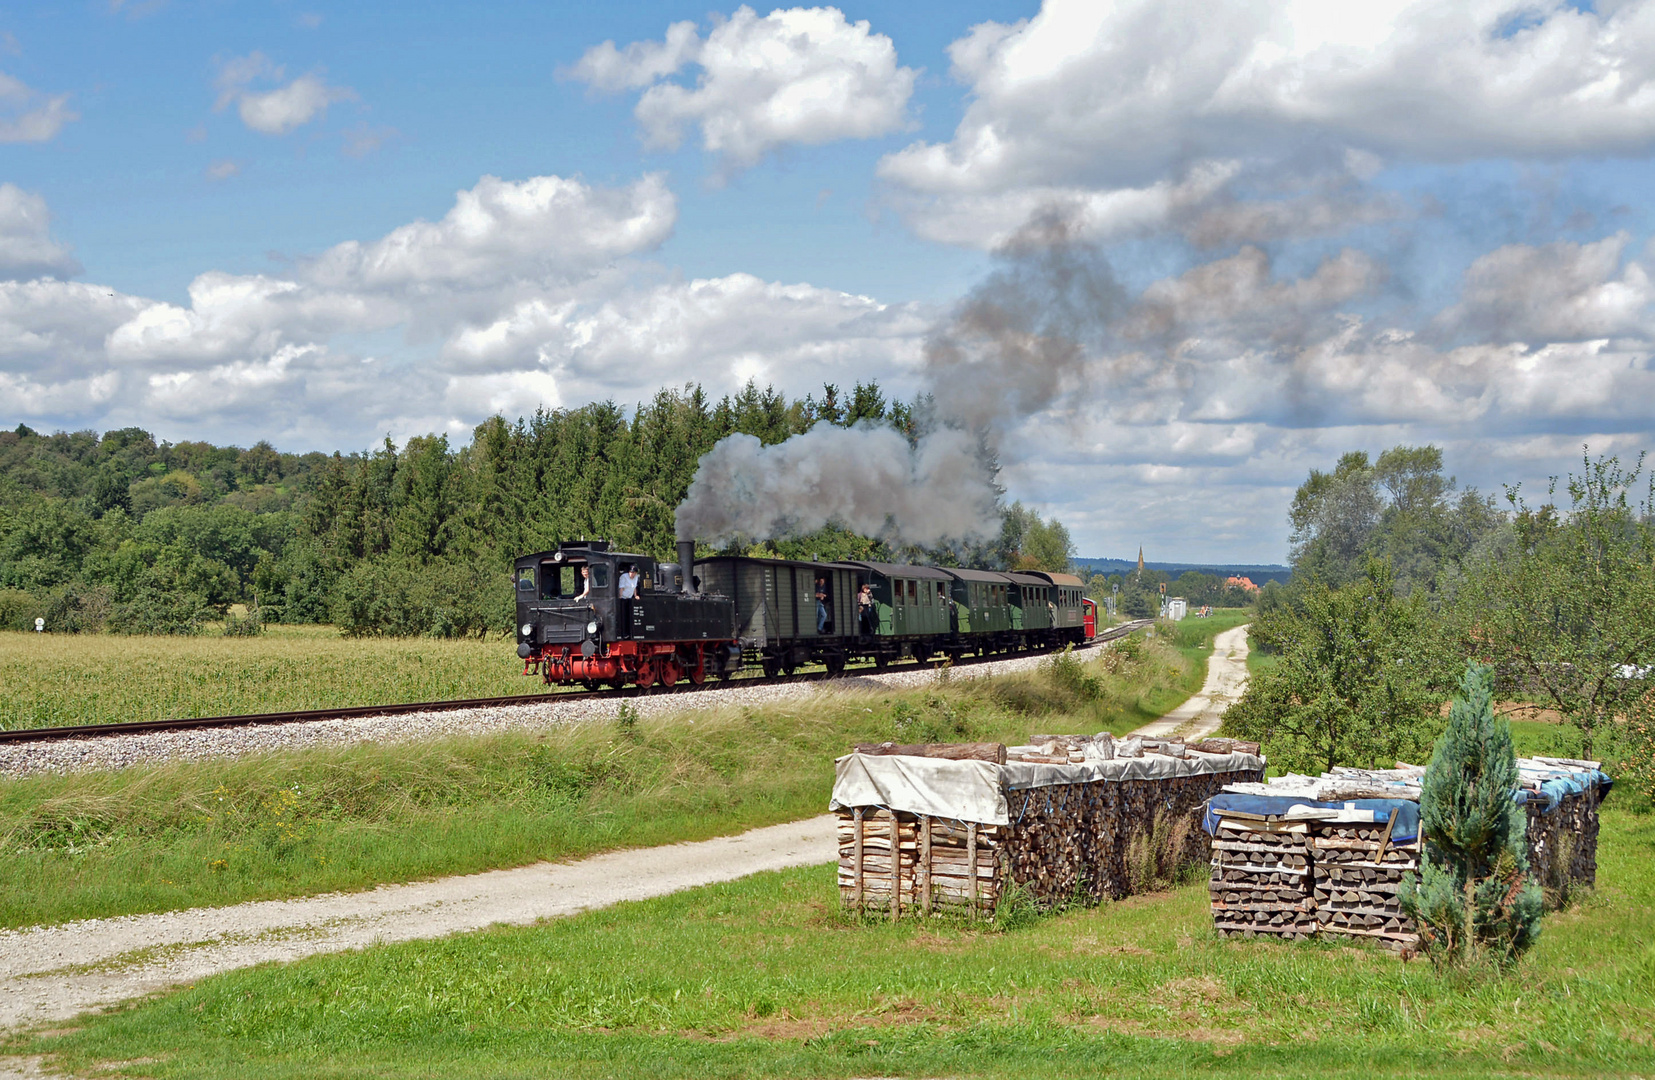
(122, 533)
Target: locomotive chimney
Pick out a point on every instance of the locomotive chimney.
(686, 560)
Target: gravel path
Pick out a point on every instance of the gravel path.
(1226, 679)
(120, 751)
(53, 973)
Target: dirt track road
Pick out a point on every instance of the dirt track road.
(53, 973)
(1226, 679)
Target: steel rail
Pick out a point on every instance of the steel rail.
(354, 712)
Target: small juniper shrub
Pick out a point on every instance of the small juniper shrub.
(1473, 899)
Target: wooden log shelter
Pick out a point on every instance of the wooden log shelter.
(949, 827)
(1326, 856)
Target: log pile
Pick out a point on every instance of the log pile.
(942, 865)
(1261, 879)
(1075, 828)
(1356, 875)
(1300, 860)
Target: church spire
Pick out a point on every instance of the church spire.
(1140, 558)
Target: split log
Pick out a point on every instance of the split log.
(995, 752)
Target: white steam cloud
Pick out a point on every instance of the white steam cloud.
(865, 478)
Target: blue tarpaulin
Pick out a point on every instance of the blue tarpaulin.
(1562, 783)
(1406, 812)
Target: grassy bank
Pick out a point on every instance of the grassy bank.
(57, 679)
(765, 977)
(289, 824)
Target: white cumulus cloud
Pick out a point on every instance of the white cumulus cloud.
(795, 76)
(27, 249)
(1123, 99)
(501, 230)
(281, 109)
(29, 116)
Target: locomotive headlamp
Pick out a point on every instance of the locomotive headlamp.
(527, 629)
(557, 556)
(592, 627)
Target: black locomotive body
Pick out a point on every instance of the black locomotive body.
(574, 626)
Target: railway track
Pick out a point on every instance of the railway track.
(200, 723)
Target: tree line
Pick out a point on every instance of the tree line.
(122, 533)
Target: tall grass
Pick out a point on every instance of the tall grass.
(765, 977)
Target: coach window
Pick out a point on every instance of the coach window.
(913, 593)
(896, 592)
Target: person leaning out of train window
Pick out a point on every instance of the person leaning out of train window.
(821, 605)
(585, 584)
(629, 591)
(864, 607)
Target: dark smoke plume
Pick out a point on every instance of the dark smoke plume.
(1013, 348)
(865, 478)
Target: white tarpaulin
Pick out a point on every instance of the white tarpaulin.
(976, 790)
(964, 790)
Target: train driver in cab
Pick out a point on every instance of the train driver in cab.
(629, 592)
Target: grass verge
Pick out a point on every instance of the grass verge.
(765, 977)
(290, 824)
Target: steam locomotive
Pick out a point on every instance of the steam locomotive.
(701, 618)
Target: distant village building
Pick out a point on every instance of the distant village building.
(1243, 583)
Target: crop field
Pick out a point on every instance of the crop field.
(295, 823)
(765, 977)
(58, 679)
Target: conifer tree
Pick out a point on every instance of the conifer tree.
(1473, 896)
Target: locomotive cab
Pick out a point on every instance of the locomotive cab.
(573, 624)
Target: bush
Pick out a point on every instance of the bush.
(389, 599)
(76, 609)
(18, 609)
(1637, 749)
(152, 611)
(249, 625)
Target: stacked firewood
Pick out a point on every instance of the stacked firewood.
(1065, 841)
(1261, 880)
(1354, 870)
(941, 864)
(1357, 874)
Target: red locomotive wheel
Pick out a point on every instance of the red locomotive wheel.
(646, 674)
(669, 670)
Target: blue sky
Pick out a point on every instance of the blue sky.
(1306, 228)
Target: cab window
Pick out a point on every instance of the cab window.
(525, 579)
(600, 575)
(560, 581)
